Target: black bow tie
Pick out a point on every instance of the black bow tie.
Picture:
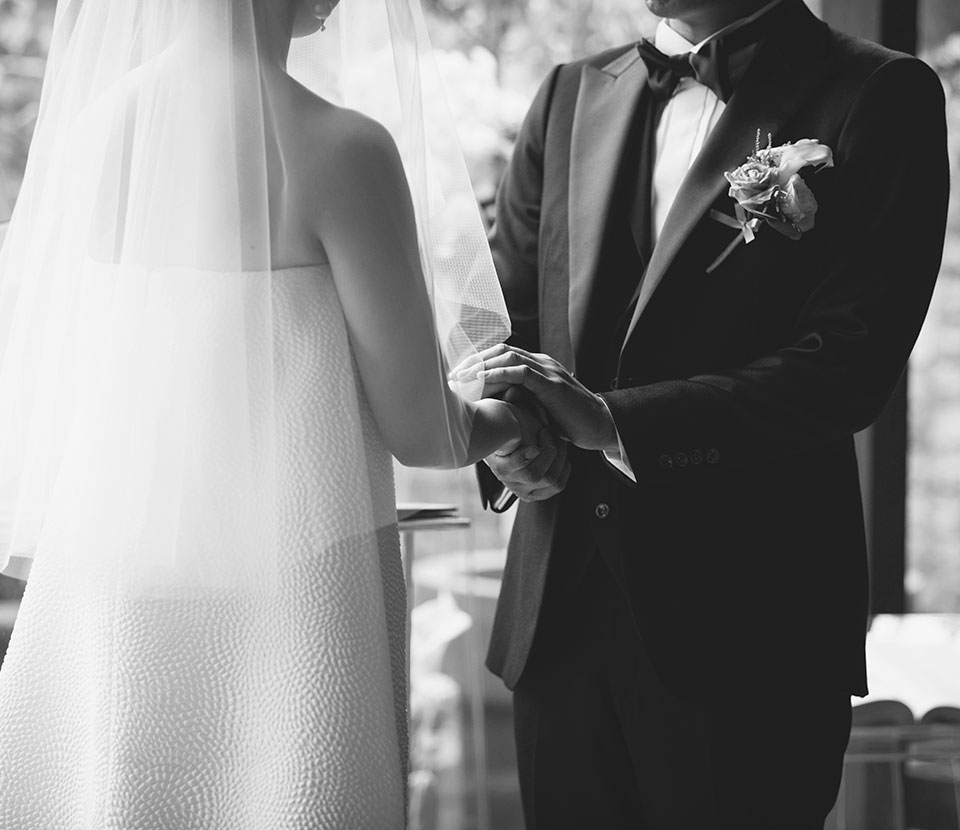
(717, 66)
(666, 71)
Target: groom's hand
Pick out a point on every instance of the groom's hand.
(581, 416)
(534, 476)
(538, 467)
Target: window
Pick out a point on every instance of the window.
(933, 504)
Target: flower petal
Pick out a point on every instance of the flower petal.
(807, 152)
(753, 199)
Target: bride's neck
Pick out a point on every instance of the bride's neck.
(272, 29)
(274, 24)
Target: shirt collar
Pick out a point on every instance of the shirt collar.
(671, 42)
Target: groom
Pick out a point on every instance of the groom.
(683, 607)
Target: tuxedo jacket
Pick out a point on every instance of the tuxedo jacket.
(741, 546)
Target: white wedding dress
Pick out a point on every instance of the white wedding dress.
(126, 710)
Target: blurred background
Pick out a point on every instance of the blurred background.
(492, 55)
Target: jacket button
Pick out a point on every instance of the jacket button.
(666, 462)
(681, 459)
(602, 511)
(614, 383)
(713, 456)
(696, 456)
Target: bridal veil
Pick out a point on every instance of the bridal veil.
(212, 632)
(137, 422)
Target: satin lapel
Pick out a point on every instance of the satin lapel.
(606, 104)
(785, 70)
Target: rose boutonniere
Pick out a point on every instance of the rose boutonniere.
(768, 189)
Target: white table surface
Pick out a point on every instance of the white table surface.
(914, 658)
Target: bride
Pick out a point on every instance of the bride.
(226, 298)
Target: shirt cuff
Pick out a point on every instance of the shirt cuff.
(618, 458)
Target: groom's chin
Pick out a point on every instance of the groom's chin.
(684, 9)
(663, 8)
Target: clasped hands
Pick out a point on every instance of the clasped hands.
(554, 410)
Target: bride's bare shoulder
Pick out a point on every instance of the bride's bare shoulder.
(348, 147)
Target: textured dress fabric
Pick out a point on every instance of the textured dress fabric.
(225, 709)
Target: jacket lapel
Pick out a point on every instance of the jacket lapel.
(606, 103)
(787, 67)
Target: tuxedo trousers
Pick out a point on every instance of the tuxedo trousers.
(602, 743)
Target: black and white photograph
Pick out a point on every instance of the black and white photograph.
(479, 415)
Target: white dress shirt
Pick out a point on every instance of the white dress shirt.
(687, 120)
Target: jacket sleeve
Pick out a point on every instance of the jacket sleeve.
(851, 341)
(515, 236)
(514, 241)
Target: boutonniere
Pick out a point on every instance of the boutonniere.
(768, 189)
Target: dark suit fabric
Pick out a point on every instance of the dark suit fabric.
(602, 743)
(740, 551)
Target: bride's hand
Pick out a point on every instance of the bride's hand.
(581, 416)
(537, 466)
(524, 425)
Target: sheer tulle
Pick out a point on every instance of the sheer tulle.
(212, 635)
(130, 329)
(148, 188)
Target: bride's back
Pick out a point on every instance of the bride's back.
(339, 196)
(307, 136)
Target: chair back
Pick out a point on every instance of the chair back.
(882, 713)
(872, 790)
(942, 714)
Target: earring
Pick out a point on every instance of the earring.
(321, 10)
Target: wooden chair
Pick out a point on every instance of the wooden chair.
(942, 714)
(872, 792)
(932, 773)
(882, 713)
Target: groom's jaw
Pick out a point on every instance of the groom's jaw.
(696, 20)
